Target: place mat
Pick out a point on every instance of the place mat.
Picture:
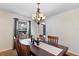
(51, 49)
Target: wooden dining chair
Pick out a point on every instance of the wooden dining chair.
(22, 50)
(25, 50)
(53, 40)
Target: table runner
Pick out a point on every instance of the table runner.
(51, 49)
(25, 41)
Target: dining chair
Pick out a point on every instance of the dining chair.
(22, 50)
(53, 40)
(25, 50)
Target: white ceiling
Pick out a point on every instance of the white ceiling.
(27, 9)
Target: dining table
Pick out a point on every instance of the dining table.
(44, 48)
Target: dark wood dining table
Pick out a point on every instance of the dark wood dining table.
(37, 51)
(41, 52)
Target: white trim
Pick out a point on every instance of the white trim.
(5, 50)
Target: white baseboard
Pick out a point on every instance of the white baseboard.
(5, 50)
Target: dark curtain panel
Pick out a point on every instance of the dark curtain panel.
(44, 29)
(29, 32)
(15, 26)
(15, 30)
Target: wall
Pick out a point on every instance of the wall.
(66, 26)
(6, 29)
(34, 28)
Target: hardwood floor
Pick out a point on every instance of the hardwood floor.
(12, 52)
(70, 54)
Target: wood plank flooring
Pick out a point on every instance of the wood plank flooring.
(12, 52)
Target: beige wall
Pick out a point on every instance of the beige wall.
(66, 26)
(6, 29)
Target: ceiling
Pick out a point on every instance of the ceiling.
(27, 9)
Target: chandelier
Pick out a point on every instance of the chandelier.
(38, 17)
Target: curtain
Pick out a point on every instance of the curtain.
(29, 32)
(44, 29)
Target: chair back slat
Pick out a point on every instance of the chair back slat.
(25, 50)
(53, 40)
